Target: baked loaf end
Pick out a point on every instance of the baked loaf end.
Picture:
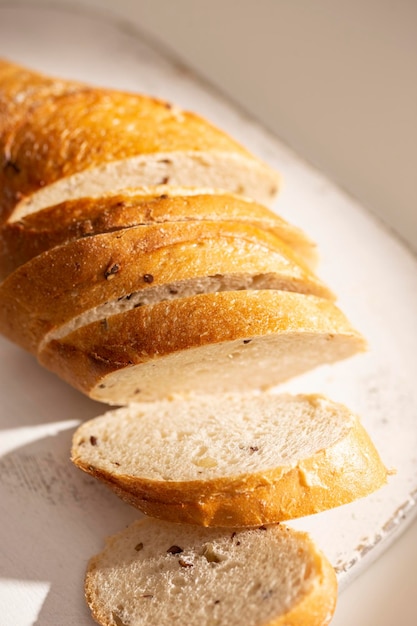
(118, 140)
(159, 573)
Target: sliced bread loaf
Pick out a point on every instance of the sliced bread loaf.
(89, 141)
(159, 573)
(208, 343)
(238, 460)
(23, 239)
(95, 277)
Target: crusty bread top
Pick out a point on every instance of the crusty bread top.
(216, 169)
(85, 128)
(158, 573)
(208, 343)
(237, 460)
(37, 232)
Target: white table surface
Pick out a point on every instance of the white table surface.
(53, 519)
(385, 594)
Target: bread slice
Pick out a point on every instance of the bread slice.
(89, 141)
(31, 235)
(238, 460)
(159, 573)
(95, 277)
(208, 343)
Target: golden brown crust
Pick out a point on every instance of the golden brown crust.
(74, 219)
(349, 469)
(37, 149)
(85, 357)
(22, 90)
(68, 280)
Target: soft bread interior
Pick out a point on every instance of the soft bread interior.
(210, 437)
(159, 573)
(252, 362)
(219, 170)
(235, 460)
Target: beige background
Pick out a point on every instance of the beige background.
(335, 79)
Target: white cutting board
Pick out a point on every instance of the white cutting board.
(53, 517)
